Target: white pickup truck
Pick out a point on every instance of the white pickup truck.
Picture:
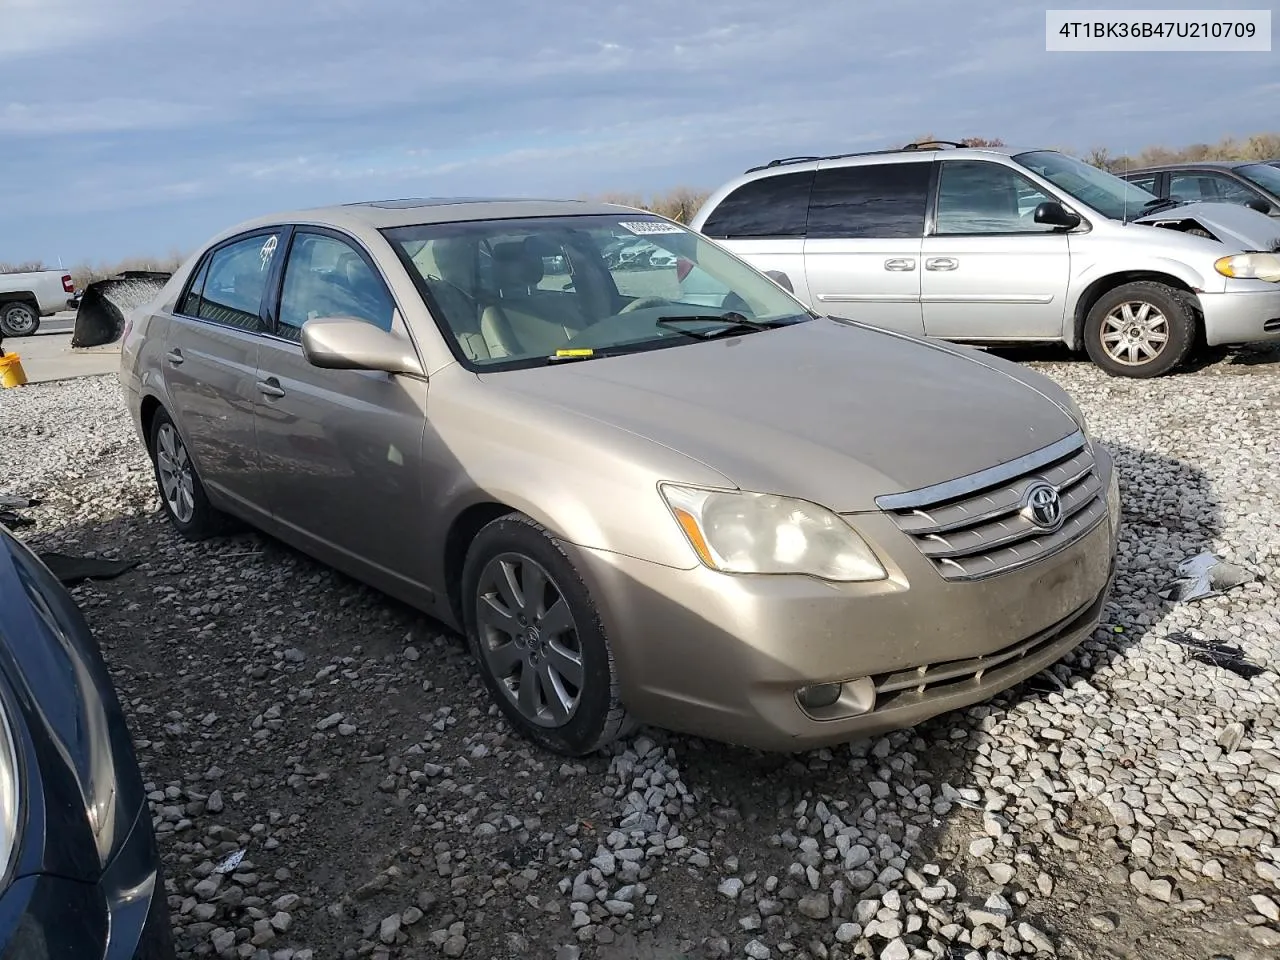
(26, 297)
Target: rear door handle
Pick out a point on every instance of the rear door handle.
(900, 264)
(271, 387)
(174, 356)
(941, 263)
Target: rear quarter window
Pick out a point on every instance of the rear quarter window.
(775, 206)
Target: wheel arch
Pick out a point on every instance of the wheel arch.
(1100, 287)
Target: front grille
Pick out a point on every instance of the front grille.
(939, 679)
(978, 526)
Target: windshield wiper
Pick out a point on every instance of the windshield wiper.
(1161, 203)
(731, 323)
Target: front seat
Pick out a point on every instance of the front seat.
(515, 325)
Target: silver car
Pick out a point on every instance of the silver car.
(750, 523)
(991, 246)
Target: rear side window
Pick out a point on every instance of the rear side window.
(234, 281)
(769, 207)
(884, 201)
(190, 304)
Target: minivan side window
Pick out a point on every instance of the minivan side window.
(981, 196)
(327, 277)
(236, 279)
(774, 206)
(883, 201)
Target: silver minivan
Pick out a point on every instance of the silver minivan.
(991, 246)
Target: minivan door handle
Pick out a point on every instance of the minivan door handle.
(941, 263)
(271, 387)
(174, 356)
(900, 264)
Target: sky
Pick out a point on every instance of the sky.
(142, 127)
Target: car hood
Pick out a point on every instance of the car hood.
(1234, 224)
(825, 410)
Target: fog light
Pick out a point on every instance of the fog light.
(819, 695)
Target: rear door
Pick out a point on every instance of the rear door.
(763, 222)
(209, 366)
(990, 271)
(341, 450)
(862, 248)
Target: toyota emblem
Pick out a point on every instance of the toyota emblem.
(1042, 506)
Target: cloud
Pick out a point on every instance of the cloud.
(140, 122)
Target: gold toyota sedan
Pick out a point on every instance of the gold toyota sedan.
(646, 482)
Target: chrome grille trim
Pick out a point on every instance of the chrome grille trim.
(975, 527)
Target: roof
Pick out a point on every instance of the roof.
(910, 150)
(1192, 165)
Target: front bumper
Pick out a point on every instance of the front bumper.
(1242, 315)
(125, 916)
(723, 656)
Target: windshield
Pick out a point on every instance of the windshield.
(518, 293)
(1104, 192)
(1263, 174)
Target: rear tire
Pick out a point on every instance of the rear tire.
(1141, 329)
(538, 640)
(18, 319)
(182, 495)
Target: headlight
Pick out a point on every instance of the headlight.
(1250, 266)
(1113, 498)
(737, 532)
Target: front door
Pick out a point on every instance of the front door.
(341, 450)
(862, 249)
(210, 367)
(990, 272)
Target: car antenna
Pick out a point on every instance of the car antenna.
(1124, 166)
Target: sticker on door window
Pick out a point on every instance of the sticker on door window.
(268, 249)
(642, 227)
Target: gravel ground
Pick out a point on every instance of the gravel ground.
(1123, 804)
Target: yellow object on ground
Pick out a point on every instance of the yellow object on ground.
(11, 372)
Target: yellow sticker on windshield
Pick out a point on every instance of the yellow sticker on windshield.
(575, 353)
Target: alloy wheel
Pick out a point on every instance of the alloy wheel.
(177, 482)
(1134, 333)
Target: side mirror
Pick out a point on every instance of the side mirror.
(1257, 203)
(342, 343)
(1055, 214)
(781, 279)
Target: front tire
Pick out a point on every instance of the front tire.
(18, 319)
(538, 640)
(1141, 329)
(182, 495)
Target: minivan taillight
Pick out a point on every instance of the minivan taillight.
(683, 266)
(67, 284)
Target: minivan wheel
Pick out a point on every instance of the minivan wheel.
(1140, 329)
(181, 493)
(18, 320)
(537, 638)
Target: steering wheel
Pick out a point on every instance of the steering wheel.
(643, 303)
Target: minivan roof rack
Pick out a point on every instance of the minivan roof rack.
(921, 145)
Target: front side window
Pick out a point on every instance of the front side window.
(884, 201)
(518, 293)
(772, 206)
(326, 277)
(1110, 195)
(1197, 185)
(979, 196)
(235, 282)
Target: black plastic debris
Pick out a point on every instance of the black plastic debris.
(9, 504)
(70, 570)
(1205, 575)
(1222, 655)
(101, 314)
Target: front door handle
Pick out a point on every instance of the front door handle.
(941, 263)
(271, 387)
(174, 356)
(900, 264)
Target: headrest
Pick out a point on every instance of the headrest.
(517, 264)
